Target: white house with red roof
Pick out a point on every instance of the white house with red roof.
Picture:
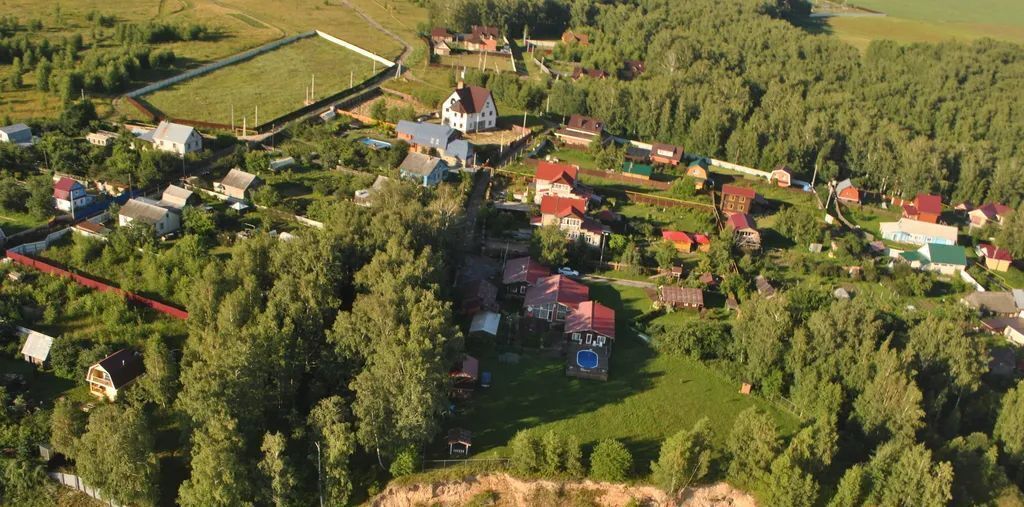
(470, 109)
(589, 333)
(989, 213)
(553, 297)
(69, 194)
(569, 214)
(555, 179)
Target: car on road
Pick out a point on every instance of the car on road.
(567, 271)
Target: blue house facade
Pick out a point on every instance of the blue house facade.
(426, 170)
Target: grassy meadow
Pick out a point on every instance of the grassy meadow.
(648, 396)
(276, 82)
(237, 24)
(928, 21)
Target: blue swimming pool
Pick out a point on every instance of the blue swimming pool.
(587, 359)
(375, 143)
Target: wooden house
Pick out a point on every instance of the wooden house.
(996, 259)
(521, 273)
(737, 199)
(581, 131)
(237, 184)
(553, 297)
(744, 231)
(482, 38)
(425, 170)
(698, 170)
(764, 288)
(924, 207)
(476, 296)
(991, 213)
(589, 333)
(679, 239)
(114, 373)
(680, 297)
(440, 34)
(666, 154)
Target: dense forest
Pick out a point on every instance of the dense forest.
(736, 80)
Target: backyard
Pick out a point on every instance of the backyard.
(276, 83)
(489, 62)
(647, 397)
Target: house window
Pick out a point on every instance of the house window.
(576, 337)
(560, 314)
(590, 338)
(599, 341)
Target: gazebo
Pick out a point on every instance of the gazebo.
(459, 442)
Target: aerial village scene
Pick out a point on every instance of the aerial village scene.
(536, 252)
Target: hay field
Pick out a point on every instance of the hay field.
(276, 82)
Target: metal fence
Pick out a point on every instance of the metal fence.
(75, 482)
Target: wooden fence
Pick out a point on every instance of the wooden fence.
(667, 202)
(617, 176)
(85, 281)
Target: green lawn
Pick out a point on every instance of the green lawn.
(275, 82)
(42, 386)
(927, 21)
(13, 222)
(647, 397)
(493, 63)
(669, 218)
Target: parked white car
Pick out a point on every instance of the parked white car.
(567, 271)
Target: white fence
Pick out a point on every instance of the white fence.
(967, 278)
(39, 246)
(74, 482)
(755, 172)
(355, 48)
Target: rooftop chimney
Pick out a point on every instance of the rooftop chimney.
(460, 85)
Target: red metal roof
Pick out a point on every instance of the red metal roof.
(928, 203)
(562, 206)
(552, 172)
(749, 193)
(740, 221)
(677, 236)
(557, 289)
(591, 316)
(994, 252)
(523, 269)
(701, 239)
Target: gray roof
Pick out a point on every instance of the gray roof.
(143, 210)
(175, 196)
(37, 345)
(437, 136)
(1000, 302)
(486, 322)
(18, 133)
(172, 132)
(420, 164)
(844, 184)
(238, 178)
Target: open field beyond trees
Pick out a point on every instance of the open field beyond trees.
(928, 21)
(275, 82)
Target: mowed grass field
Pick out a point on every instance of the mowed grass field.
(647, 397)
(929, 21)
(237, 24)
(276, 82)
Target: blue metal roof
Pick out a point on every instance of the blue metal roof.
(442, 137)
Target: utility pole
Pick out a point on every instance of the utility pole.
(319, 480)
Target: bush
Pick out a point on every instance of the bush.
(610, 461)
(404, 463)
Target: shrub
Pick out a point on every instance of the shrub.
(610, 461)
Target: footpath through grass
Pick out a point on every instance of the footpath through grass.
(647, 397)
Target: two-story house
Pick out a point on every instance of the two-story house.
(470, 109)
(737, 199)
(917, 232)
(553, 297)
(163, 219)
(991, 213)
(69, 194)
(569, 214)
(698, 170)
(558, 180)
(589, 333)
(482, 38)
(520, 274)
(744, 231)
(667, 154)
(114, 373)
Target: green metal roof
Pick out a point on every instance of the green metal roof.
(912, 256)
(947, 254)
(639, 169)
